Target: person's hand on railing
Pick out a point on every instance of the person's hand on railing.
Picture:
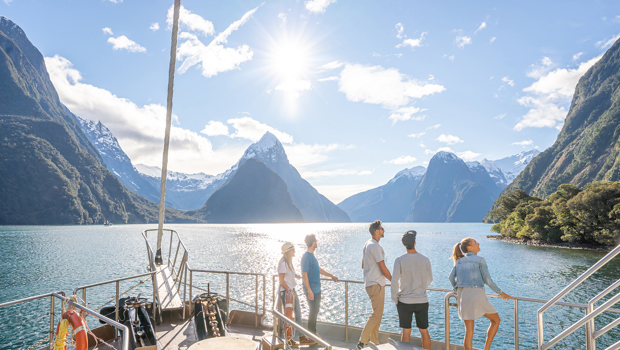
(334, 278)
(505, 296)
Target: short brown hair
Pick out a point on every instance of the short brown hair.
(311, 238)
(374, 227)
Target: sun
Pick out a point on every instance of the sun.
(290, 61)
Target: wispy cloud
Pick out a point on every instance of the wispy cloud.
(417, 135)
(282, 17)
(107, 31)
(124, 43)
(605, 44)
(449, 139)
(545, 65)
(318, 6)
(577, 56)
(412, 42)
(508, 81)
(548, 96)
(406, 113)
(462, 40)
(401, 160)
(294, 86)
(492, 40)
(436, 126)
(332, 78)
(482, 26)
(400, 29)
(331, 65)
(214, 58)
(251, 129)
(523, 143)
(154, 27)
(190, 21)
(501, 116)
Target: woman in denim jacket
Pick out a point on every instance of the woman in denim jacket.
(468, 277)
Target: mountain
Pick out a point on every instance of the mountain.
(505, 170)
(452, 191)
(588, 146)
(313, 205)
(51, 173)
(390, 202)
(254, 194)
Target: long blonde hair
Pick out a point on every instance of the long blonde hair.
(288, 258)
(461, 248)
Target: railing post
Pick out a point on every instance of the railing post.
(447, 319)
(227, 297)
(170, 249)
(51, 345)
(191, 284)
(516, 324)
(264, 296)
(589, 331)
(255, 301)
(541, 334)
(346, 311)
(117, 306)
(184, 289)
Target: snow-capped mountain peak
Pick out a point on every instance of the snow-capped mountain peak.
(410, 173)
(268, 150)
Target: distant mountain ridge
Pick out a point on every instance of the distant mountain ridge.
(472, 182)
(587, 148)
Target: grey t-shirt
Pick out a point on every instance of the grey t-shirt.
(412, 275)
(373, 254)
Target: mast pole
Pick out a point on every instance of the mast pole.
(164, 165)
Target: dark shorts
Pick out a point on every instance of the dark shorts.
(405, 315)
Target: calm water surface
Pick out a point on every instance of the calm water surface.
(41, 259)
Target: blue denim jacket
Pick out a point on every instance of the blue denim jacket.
(472, 271)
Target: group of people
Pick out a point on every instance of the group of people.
(410, 278)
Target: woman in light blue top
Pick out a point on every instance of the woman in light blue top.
(468, 277)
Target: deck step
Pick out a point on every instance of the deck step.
(166, 292)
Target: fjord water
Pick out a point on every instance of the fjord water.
(41, 259)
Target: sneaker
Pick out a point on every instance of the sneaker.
(360, 346)
(292, 343)
(303, 340)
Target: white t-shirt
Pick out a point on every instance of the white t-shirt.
(289, 275)
(373, 255)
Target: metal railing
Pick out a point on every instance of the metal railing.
(301, 329)
(85, 310)
(450, 293)
(591, 312)
(118, 293)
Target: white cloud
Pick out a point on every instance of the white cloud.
(605, 44)
(154, 27)
(401, 160)
(318, 6)
(190, 21)
(449, 139)
(107, 31)
(549, 94)
(214, 58)
(421, 144)
(523, 143)
(331, 65)
(617, 19)
(431, 77)
(377, 85)
(332, 78)
(436, 126)
(508, 81)
(253, 130)
(338, 193)
(282, 16)
(482, 26)
(461, 41)
(302, 155)
(112, 1)
(215, 128)
(451, 58)
(124, 43)
(294, 86)
(7, 1)
(538, 70)
(501, 116)
(417, 135)
(467, 155)
(412, 42)
(492, 40)
(441, 149)
(139, 129)
(399, 30)
(405, 113)
(577, 55)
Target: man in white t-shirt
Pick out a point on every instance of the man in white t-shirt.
(375, 273)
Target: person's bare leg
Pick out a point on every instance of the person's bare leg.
(492, 331)
(406, 336)
(469, 334)
(426, 338)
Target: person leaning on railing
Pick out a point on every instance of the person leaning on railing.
(286, 274)
(468, 277)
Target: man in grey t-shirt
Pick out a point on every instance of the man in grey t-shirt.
(412, 275)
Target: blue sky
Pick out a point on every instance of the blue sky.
(355, 90)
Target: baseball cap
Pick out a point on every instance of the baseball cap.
(409, 237)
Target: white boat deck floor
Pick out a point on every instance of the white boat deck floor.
(167, 294)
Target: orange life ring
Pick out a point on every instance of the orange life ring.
(79, 331)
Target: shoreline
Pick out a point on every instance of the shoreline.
(538, 243)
